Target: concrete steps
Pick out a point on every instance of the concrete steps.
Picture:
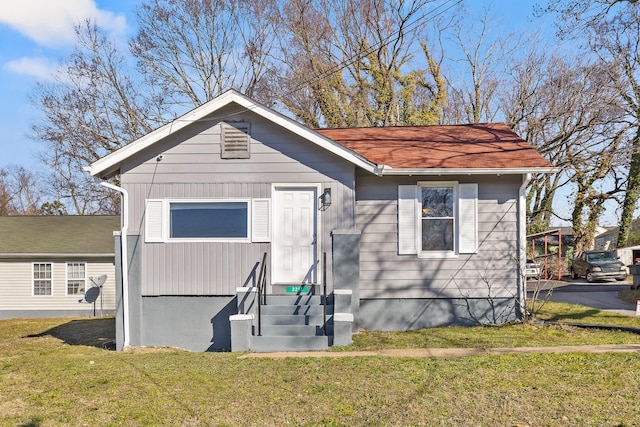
(293, 323)
(289, 343)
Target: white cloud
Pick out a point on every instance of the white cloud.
(41, 68)
(50, 22)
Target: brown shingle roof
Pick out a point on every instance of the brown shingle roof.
(57, 235)
(447, 147)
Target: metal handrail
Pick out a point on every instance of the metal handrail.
(262, 290)
(324, 285)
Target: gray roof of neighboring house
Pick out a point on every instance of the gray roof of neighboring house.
(22, 236)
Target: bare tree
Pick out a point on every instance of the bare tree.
(473, 89)
(616, 41)
(196, 49)
(551, 106)
(349, 63)
(93, 108)
(5, 195)
(612, 28)
(328, 62)
(21, 192)
(576, 15)
(187, 51)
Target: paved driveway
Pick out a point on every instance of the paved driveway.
(603, 295)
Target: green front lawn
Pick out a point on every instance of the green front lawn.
(54, 372)
(630, 295)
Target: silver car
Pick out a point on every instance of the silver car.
(532, 270)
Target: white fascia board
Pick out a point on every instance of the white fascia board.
(111, 161)
(386, 170)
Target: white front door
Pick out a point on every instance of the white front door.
(294, 244)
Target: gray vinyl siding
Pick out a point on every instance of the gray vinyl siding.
(191, 167)
(489, 272)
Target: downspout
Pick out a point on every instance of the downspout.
(124, 256)
(522, 242)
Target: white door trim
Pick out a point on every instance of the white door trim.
(302, 186)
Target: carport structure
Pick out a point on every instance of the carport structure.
(541, 244)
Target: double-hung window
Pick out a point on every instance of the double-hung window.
(76, 278)
(42, 278)
(437, 219)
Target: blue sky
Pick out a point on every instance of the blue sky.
(36, 35)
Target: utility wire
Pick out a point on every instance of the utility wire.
(382, 43)
(435, 12)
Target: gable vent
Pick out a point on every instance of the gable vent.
(235, 141)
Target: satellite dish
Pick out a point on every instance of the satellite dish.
(98, 281)
(92, 294)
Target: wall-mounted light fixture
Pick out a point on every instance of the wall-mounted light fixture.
(325, 198)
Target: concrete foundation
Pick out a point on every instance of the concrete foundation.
(410, 314)
(196, 323)
(346, 268)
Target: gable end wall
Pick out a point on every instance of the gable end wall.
(191, 167)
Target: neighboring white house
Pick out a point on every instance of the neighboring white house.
(421, 227)
(53, 266)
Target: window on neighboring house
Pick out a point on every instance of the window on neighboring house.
(42, 278)
(76, 278)
(235, 141)
(209, 220)
(437, 219)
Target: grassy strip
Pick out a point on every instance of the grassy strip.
(630, 295)
(561, 312)
(176, 388)
(515, 335)
(54, 372)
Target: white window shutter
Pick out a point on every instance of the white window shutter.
(260, 220)
(407, 219)
(468, 218)
(153, 221)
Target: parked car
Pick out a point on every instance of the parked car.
(532, 270)
(598, 265)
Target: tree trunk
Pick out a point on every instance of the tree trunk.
(631, 194)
